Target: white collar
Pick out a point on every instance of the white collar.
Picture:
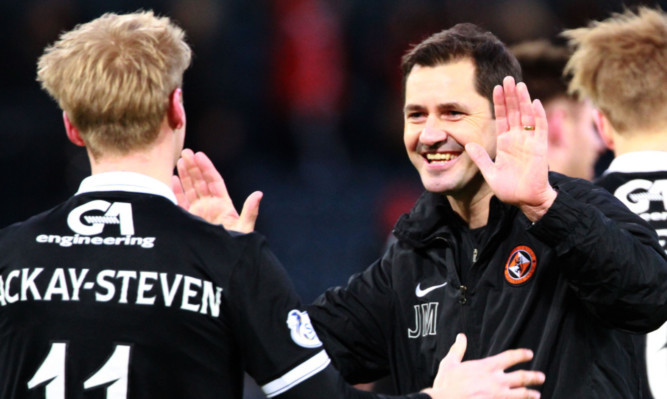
(126, 181)
(640, 161)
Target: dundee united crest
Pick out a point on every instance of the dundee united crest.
(520, 265)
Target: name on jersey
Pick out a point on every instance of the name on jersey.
(89, 220)
(648, 200)
(129, 287)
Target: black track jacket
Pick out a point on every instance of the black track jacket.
(571, 287)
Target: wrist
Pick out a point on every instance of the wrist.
(535, 212)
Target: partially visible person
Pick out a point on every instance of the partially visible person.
(574, 143)
(620, 64)
(120, 293)
(498, 247)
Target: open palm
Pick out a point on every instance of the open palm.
(519, 174)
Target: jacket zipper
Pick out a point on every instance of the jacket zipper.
(462, 295)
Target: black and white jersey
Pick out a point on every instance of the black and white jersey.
(120, 294)
(639, 180)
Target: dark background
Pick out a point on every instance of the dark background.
(298, 98)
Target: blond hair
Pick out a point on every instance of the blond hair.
(113, 77)
(621, 65)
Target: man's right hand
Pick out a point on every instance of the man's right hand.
(484, 378)
(200, 189)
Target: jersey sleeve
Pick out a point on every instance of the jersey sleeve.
(329, 384)
(280, 348)
(276, 340)
(610, 257)
(352, 320)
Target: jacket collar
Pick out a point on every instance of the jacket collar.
(432, 216)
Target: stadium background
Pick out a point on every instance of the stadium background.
(298, 98)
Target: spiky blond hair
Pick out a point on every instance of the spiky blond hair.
(621, 65)
(113, 76)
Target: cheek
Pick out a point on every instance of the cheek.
(410, 139)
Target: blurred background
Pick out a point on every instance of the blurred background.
(298, 98)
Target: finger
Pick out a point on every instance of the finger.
(456, 352)
(482, 159)
(249, 212)
(512, 102)
(525, 106)
(510, 358)
(177, 188)
(196, 173)
(189, 175)
(500, 110)
(522, 393)
(541, 123)
(215, 183)
(524, 378)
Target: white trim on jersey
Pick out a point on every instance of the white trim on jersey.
(126, 181)
(640, 161)
(297, 375)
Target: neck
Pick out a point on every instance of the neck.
(640, 140)
(157, 160)
(474, 209)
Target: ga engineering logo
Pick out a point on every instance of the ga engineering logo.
(89, 220)
(520, 265)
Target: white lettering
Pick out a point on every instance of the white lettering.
(188, 293)
(28, 283)
(74, 218)
(77, 282)
(169, 293)
(144, 287)
(2, 292)
(108, 285)
(126, 275)
(209, 299)
(57, 286)
(9, 297)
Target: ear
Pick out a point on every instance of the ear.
(604, 128)
(72, 132)
(556, 117)
(176, 111)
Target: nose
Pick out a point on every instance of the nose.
(432, 134)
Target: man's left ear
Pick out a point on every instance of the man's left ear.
(604, 128)
(72, 131)
(176, 111)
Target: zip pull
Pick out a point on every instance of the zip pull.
(474, 255)
(462, 295)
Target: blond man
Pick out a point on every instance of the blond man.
(620, 64)
(574, 143)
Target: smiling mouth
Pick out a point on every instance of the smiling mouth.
(441, 157)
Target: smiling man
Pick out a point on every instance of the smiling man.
(497, 247)
(530, 258)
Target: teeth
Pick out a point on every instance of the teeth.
(441, 157)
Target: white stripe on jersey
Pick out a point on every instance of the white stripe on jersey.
(297, 375)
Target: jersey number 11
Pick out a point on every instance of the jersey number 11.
(114, 371)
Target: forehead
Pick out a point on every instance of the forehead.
(453, 82)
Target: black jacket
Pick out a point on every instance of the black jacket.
(570, 287)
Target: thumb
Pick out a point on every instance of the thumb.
(249, 212)
(456, 352)
(480, 157)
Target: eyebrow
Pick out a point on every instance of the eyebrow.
(441, 107)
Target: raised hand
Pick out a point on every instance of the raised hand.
(519, 174)
(200, 189)
(484, 378)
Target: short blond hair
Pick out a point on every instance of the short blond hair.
(620, 64)
(113, 77)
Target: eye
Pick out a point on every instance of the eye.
(452, 114)
(415, 115)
